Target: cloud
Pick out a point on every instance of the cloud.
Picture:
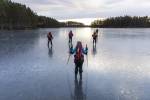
(64, 9)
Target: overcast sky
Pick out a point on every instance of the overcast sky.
(71, 9)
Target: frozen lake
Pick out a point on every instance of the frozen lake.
(118, 68)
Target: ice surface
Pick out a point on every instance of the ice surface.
(118, 68)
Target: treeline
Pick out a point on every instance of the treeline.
(123, 22)
(71, 24)
(17, 16)
(46, 22)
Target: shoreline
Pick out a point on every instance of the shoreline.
(74, 27)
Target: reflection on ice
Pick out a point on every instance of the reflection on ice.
(50, 52)
(118, 66)
(78, 90)
(94, 51)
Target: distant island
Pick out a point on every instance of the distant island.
(17, 16)
(72, 24)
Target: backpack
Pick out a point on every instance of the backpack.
(79, 56)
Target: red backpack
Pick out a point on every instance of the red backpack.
(79, 56)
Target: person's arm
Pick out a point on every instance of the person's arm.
(85, 51)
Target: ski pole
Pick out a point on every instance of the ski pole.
(87, 55)
(68, 59)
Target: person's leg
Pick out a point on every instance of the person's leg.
(93, 41)
(76, 69)
(80, 71)
(80, 68)
(71, 40)
(48, 43)
(51, 43)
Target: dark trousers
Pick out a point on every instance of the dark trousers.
(70, 39)
(50, 42)
(94, 40)
(78, 67)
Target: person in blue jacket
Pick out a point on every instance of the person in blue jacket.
(79, 52)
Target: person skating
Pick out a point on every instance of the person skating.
(97, 31)
(95, 35)
(50, 38)
(70, 35)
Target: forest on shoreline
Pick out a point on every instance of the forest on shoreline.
(17, 16)
(123, 22)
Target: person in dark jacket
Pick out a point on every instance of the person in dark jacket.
(96, 31)
(70, 35)
(50, 38)
(94, 37)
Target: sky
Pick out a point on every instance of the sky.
(87, 10)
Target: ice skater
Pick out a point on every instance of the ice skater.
(50, 38)
(79, 52)
(70, 35)
(95, 35)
